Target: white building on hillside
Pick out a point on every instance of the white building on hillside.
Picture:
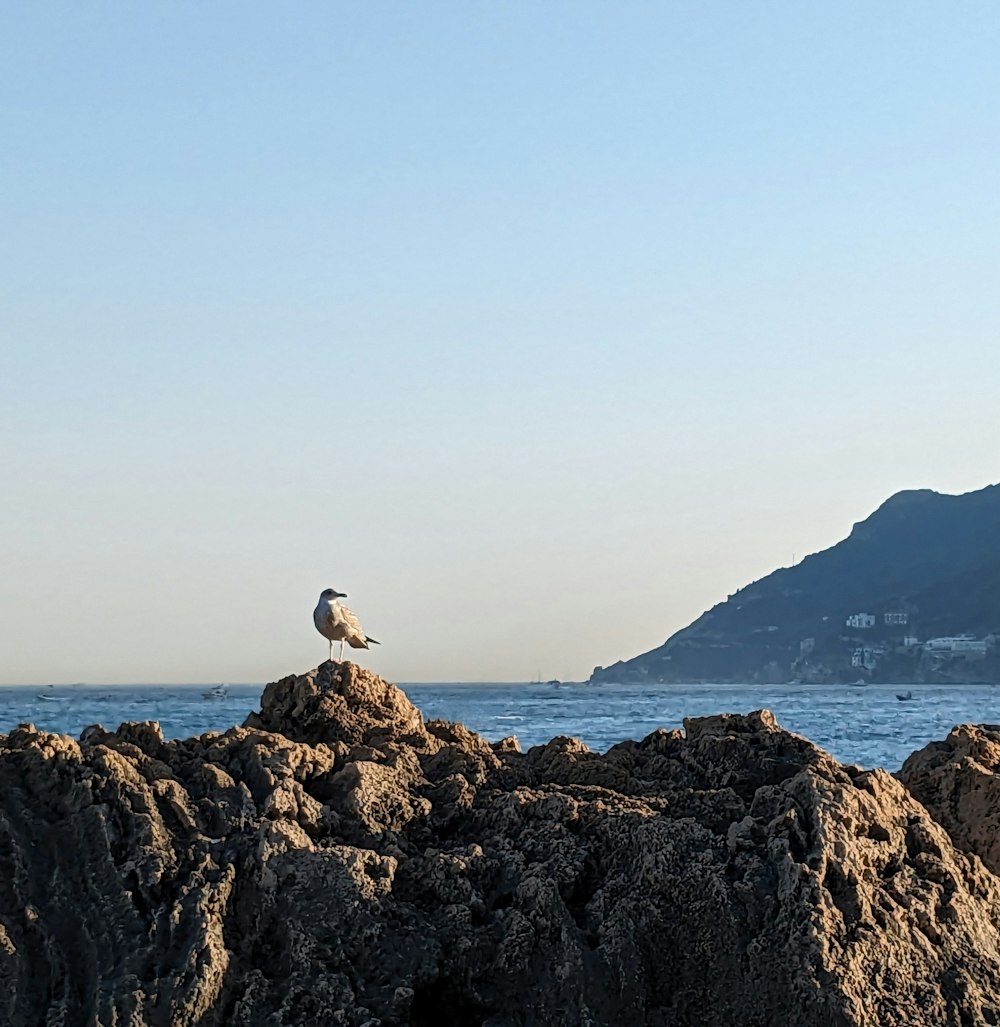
(861, 620)
(867, 657)
(956, 645)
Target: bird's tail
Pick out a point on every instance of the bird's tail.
(374, 641)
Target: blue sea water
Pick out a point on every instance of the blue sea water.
(867, 726)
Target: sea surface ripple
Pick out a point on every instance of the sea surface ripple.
(867, 726)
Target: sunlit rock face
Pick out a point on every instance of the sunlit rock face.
(338, 860)
(958, 780)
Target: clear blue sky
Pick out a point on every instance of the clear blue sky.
(536, 328)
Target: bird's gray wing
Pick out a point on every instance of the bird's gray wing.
(353, 632)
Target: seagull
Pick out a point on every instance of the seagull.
(338, 624)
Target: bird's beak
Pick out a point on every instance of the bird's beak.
(341, 595)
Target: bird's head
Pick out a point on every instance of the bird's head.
(331, 594)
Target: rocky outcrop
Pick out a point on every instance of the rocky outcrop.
(338, 860)
(958, 780)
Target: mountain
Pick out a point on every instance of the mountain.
(923, 567)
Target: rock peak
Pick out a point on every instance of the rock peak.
(338, 702)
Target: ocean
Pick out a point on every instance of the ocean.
(867, 726)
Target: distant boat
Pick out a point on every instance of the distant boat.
(219, 692)
(860, 683)
(53, 698)
(904, 696)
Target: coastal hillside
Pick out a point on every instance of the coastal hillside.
(338, 860)
(911, 595)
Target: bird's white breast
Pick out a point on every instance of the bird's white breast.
(323, 616)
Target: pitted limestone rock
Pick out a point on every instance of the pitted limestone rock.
(338, 861)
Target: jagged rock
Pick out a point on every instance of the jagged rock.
(339, 702)
(958, 780)
(336, 860)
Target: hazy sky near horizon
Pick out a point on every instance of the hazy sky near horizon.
(536, 328)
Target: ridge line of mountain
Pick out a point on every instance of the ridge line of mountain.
(911, 595)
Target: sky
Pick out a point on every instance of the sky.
(537, 329)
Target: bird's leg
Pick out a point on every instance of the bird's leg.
(341, 650)
(331, 650)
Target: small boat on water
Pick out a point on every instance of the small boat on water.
(906, 696)
(53, 698)
(219, 692)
